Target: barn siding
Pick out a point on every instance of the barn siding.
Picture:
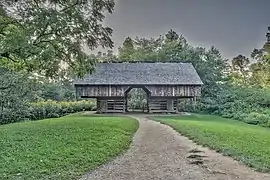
(156, 90)
(162, 98)
(101, 91)
(174, 90)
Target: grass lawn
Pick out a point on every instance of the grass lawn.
(247, 143)
(63, 148)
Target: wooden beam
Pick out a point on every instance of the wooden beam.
(170, 106)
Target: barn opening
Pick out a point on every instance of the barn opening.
(136, 98)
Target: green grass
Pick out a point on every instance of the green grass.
(63, 148)
(247, 143)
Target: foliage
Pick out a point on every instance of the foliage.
(240, 70)
(56, 91)
(187, 105)
(63, 148)
(106, 57)
(15, 91)
(261, 69)
(244, 142)
(126, 52)
(246, 96)
(172, 47)
(50, 36)
(255, 74)
(137, 99)
(46, 109)
(239, 103)
(257, 118)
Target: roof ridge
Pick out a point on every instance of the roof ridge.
(143, 73)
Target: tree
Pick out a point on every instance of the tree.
(48, 36)
(127, 50)
(106, 57)
(172, 35)
(240, 70)
(261, 69)
(16, 89)
(57, 91)
(172, 47)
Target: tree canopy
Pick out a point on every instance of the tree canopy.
(172, 47)
(50, 36)
(253, 74)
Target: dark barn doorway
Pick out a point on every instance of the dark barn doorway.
(137, 99)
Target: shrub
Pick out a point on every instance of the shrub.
(257, 118)
(250, 105)
(46, 109)
(51, 109)
(267, 124)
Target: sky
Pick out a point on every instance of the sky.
(233, 26)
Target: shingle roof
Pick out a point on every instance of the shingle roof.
(142, 74)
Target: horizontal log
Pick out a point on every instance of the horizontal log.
(166, 91)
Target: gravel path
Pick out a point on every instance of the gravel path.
(158, 152)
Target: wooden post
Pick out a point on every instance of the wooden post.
(148, 102)
(76, 96)
(170, 105)
(103, 106)
(98, 105)
(177, 105)
(124, 104)
(193, 101)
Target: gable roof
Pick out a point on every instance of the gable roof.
(142, 74)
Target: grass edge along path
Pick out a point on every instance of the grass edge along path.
(62, 148)
(247, 143)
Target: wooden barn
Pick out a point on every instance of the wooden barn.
(164, 84)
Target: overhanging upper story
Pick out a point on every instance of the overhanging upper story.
(160, 79)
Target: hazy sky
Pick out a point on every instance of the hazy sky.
(233, 26)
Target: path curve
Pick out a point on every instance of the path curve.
(160, 153)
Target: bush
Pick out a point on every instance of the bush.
(250, 105)
(46, 109)
(257, 118)
(267, 124)
(52, 109)
(186, 105)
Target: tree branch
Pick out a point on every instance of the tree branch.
(7, 87)
(36, 2)
(42, 33)
(71, 6)
(7, 55)
(42, 41)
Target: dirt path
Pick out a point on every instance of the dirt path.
(158, 152)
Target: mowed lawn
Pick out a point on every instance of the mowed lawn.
(63, 148)
(247, 143)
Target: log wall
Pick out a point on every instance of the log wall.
(101, 91)
(155, 90)
(112, 98)
(174, 91)
(163, 104)
(107, 105)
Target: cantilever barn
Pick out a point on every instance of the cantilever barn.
(164, 84)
